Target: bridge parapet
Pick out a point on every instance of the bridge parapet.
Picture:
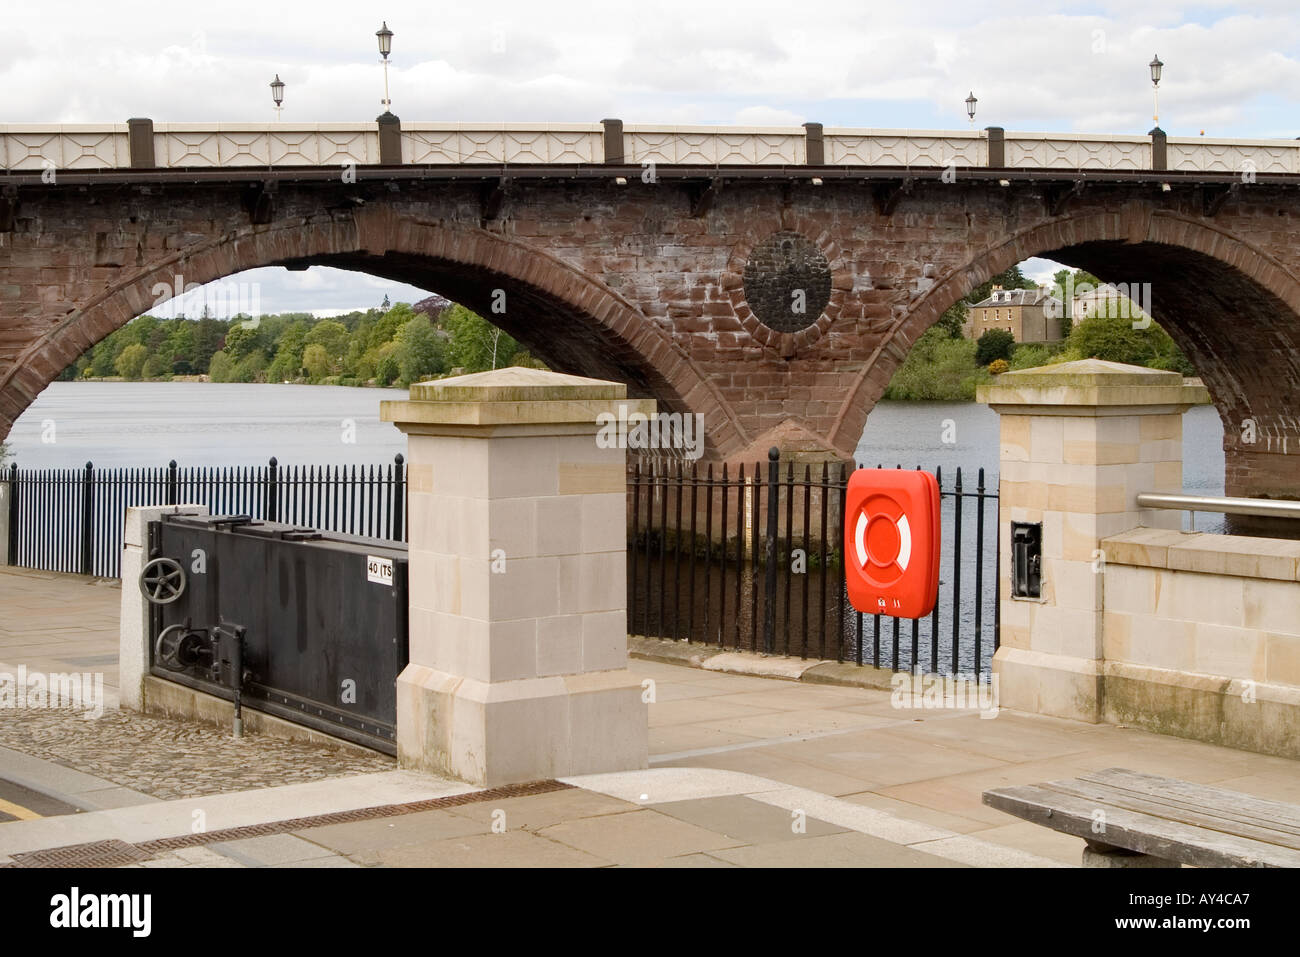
(28, 147)
(1199, 154)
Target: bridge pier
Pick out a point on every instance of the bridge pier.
(1262, 473)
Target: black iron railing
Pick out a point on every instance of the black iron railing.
(70, 520)
(749, 559)
(753, 559)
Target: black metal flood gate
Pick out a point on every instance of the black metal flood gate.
(301, 624)
(753, 559)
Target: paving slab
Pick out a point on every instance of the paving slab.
(388, 832)
(270, 851)
(832, 850)
(636, 837)
(746, 820)
(517, 848)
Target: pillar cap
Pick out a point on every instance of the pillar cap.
(1092, 383)
(512, 396)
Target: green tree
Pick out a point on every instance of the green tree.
(316, 361)
(387, 368)
(938, 368)
(331, 336)
(180, 343)
(994, 344)
(385, 328)
(1030, 356)
(242, 340)
(102, 358)
(1110, 334)
(954, 319)
(221, 368)
(251, 368)
(156, 366)
(208, 336)
(130, 362)
(476, 345)
(420, 351)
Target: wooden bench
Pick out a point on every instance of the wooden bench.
(1140, 820)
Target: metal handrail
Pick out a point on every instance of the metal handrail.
(1269, 508)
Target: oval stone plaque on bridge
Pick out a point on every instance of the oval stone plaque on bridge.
(787, 282)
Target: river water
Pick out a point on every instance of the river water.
(202, 423)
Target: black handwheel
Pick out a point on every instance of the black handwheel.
(162, 581)
(177, 648)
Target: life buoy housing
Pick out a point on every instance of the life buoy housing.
(891, 534)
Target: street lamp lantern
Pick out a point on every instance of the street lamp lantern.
(970, 107)
(385, 36)
(1156, 67)
(277, 93)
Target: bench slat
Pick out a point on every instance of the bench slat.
(1180, 811)
(1139, 832)
(1219, 801)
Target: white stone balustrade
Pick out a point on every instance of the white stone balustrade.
(1077, 151)
(846, 147)
(26, 147)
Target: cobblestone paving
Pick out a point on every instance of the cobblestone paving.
(169, 758)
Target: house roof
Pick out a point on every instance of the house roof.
(1016, 297)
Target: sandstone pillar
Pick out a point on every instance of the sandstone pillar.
(1079, 441)
(518, 596)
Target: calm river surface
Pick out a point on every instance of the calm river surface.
(134, 424)
(201, 423)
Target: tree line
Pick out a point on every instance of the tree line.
(393, 345)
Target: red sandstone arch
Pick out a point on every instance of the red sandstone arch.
(572, 321)
(1237, 315)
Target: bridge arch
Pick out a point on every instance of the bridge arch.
(573, 322)
(1232, 308)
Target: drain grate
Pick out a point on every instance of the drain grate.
(96, 854)
(117, 853)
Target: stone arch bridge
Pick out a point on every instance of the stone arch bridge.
(770, 279)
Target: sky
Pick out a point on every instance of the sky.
(1231, 70)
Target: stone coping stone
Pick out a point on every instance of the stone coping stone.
(513, 396)
(1237, 555)
(515, 384)
(539, 412)
(1092, 382)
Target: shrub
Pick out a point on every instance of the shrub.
(994, 344)
(998, 366)
(937, 369)
(1030, 357)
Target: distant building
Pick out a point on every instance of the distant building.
(1031, 315)
(1088, 298)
